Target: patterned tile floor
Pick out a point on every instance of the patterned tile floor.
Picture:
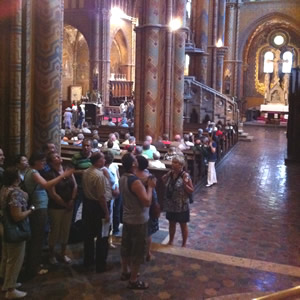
(244, 237)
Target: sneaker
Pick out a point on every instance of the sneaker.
(208, 185)
(15, 294)
(67, 259)
(112, 246)
(18, 284)
(53, 260)
(42, 272)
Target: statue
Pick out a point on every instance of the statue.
(276, 63)
(275, 98)
(267, 84)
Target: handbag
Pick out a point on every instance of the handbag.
(155, 210)
(15, 232)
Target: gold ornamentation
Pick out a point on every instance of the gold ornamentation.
(259, 86)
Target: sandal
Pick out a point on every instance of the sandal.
(126, 276)
(138, 285)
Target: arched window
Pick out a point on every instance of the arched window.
(287, 62)
(186, 65)
(268, 62)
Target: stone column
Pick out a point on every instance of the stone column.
(221, 21)
(214, 44)
(104, 52)
(179, 59)
(202, 42)
(15, 80)
(48, 73)
(231, 62)
(220, 62)
(94, 70)
(147, 89)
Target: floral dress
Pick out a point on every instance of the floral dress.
(176, 200)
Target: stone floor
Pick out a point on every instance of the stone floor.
(244, 237)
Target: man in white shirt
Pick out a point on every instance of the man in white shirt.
(113, 139)
(95, 213)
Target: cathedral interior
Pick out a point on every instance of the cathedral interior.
(228, 61)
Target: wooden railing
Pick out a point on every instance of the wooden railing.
(209, 102)
(119, 91)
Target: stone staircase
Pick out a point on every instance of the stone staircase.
(244, 136)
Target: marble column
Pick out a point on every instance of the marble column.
(48, 71)
(202, 42)
(15, 80)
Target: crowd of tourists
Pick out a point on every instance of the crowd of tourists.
(46, 197)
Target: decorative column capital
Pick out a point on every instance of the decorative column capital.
(221, 51)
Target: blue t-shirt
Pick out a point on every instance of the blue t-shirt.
(37, 194)
(212, 157)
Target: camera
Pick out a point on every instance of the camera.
(32, 207)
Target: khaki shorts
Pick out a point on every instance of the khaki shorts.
(134, 242)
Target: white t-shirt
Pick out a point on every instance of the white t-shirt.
(114, 168)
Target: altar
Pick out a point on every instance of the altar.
(275, 108)
(274, 113)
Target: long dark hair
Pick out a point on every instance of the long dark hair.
(10, 176)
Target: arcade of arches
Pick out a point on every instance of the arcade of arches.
(225, 58)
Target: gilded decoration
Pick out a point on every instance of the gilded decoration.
(259, 86)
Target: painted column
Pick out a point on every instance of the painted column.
(202, 25)
(169, 66)
(27, 111)
(48, 71)
(150, 90)
(15, 79)
(4, 78)
(104, 52)
(178, 79)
